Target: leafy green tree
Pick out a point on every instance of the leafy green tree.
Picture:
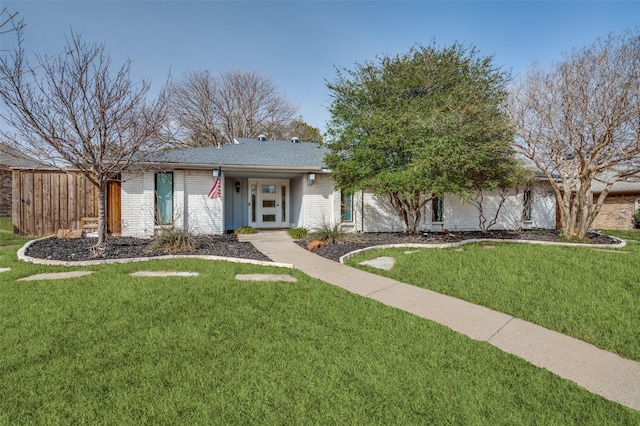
(419, 125)
(304, 131)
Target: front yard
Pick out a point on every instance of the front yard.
(589, 294)
(114, 349)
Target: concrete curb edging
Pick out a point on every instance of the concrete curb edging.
(348, 256)
(23, 257)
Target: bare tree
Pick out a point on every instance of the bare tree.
(195, 109)
(9, 23)
(580, 122)
(213, 110)
(74, 113)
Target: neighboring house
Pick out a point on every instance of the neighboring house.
(11, 158)
(621, 203)
(283, 184)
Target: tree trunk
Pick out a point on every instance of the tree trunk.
(408, 210)
(102, 228)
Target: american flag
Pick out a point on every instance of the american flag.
(216, 191)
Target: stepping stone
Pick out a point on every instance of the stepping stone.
(163, 274)
(611, 251)
(56, 276)
(411, 251)
(488, 246)
(459, 249)
(383, 262)
(5, 269)
(266, 277)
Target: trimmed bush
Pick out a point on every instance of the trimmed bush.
(245, 230)
(297, 233)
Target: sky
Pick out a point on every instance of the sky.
(299, 44)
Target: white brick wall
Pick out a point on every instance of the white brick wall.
(192, 208)
(543, 209)
(202, 214)
(322, 204)
(138, 205)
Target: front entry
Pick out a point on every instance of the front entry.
(269, 203)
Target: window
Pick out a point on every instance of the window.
(164, 198)
(253, 203)
(268, 189)
(436, 209)
(268, 217)
(527, 205)
(346, 206)
(283, 202)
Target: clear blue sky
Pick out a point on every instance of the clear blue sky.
(298, 43)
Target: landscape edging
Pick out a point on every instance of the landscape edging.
(23, 257)
(349, 255)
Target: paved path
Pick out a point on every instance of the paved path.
(601, 372)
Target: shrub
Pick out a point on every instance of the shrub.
(297, 233)
(245, 230)
(329, 234)
(636, 218)
(174, 240)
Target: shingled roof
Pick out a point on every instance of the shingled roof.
(11, 157)
(252, 152)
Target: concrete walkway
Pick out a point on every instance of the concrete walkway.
(601, 372)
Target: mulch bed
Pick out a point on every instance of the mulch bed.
(337, 250)
(229, 246)
(127, 247)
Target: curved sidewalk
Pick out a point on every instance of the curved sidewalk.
(601, 372)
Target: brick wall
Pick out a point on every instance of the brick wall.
(321, 204)
(192, 208)
(5, 193)
(138, 205)
(616, 212)
(202, 214)
(379, 216)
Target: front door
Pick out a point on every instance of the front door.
(268, 203)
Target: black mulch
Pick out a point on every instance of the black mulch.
(127, 247)
(337, 250)
(229, 246)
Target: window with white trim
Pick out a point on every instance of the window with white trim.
(164, 198)
(346, 206)
(437, 205)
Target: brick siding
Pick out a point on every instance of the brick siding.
(5, 193)
(616, 212)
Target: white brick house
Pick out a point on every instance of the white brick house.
(283, 184)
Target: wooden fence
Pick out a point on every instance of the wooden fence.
(45, 201)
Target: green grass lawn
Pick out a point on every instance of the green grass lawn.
(113, 349)
(6, 233)
(592, 295)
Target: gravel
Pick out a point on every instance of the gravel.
(229, 246)
(337, 250)
(127, 247)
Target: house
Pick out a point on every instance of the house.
(282, 184)
(621, 203)
(11, 158)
